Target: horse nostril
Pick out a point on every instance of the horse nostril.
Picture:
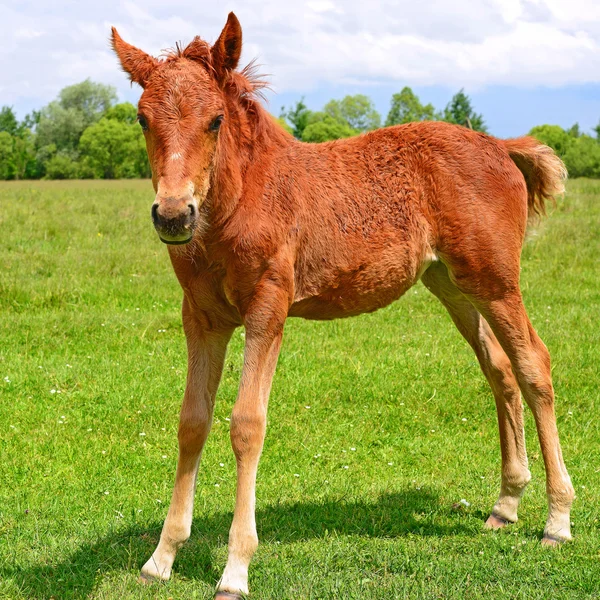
(155, 212)
(192, 209)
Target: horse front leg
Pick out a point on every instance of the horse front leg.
(264, 332)
(206, 355)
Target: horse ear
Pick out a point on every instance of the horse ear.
(227, 49)
(134, 61)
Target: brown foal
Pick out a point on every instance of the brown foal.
(262, 227)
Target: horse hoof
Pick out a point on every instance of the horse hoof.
(146, 579)
(228, 596)
(550, 541)
(495, 522)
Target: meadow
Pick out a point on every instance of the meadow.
(381, 461)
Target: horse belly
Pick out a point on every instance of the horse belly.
(362, 289)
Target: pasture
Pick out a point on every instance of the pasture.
(379, 426)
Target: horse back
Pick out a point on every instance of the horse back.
(372, 212)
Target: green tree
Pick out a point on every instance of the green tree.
(406, 108)
(8, 120)
(124, 112)
(357, 111)
(25, 155)
(60, 127)
(61, 165)
(90, 99)
(298, 117)
(339, 119)
(597, 130)
(42, 156)
(7, 156)
(554, 136)
(582, 157)
(113, 149)
(323, 127)
(31, 120)
(18, 151)
(78, 106)
(574, 131)
(460, 112)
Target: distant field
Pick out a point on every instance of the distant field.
(378, 425)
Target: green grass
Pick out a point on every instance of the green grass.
(367, 448)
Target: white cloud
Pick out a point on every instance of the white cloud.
(308, 43)
(27, 33)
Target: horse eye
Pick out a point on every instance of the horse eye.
(143, 123)
(216, 124)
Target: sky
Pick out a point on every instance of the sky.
(523, 62)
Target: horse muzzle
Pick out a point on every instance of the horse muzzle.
(175, 218)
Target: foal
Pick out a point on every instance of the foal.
(262, 227)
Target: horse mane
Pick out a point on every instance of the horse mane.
(247, 83)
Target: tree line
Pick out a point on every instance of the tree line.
(84, 133)
(356, 114)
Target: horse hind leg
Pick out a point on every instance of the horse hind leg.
(497, 369)
(531, 364)
(492, 285)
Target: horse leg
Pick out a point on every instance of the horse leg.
(531, 364)
(264, 331)
(497, 369)
(206, 355)
(490, 281)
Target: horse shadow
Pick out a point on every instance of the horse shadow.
(392, 515)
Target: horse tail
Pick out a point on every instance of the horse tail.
(544, 172)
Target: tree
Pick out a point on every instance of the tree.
(90, 99)
(356, 111)
(31, 120)
(114, 149)
(24, 155)
(574, 131)
(60, 126)
(7, 157)
(61, 166)
(78, 106)
(406, 108)
(18, 151)
(582, 157)
(460, 112)
(8, 121)
(42, 156)
(323, 127)
(298, 116)
(124, 112)
(597, 130)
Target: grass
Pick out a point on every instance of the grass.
(378, 425)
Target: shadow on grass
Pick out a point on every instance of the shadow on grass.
(393, 515)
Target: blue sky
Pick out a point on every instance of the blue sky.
(523, 62)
